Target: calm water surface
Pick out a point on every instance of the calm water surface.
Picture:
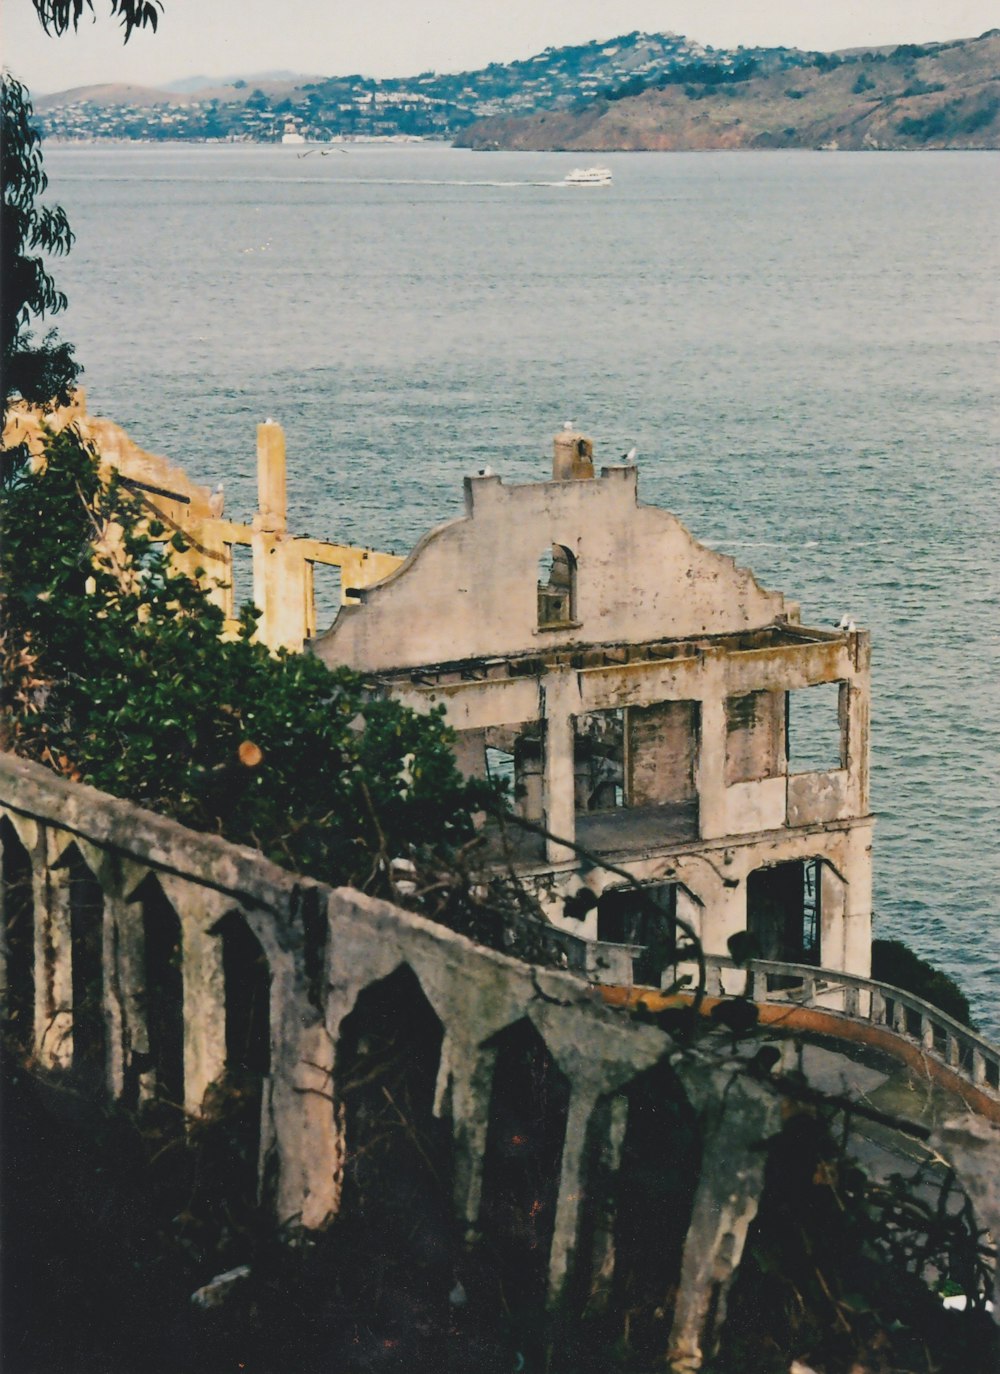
(803, 346)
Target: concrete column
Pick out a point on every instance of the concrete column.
(611, 1126)
(859, 726)
(54, 977)
(571, 1185)
(725, 1204)
(272, 503)
(711, 779)
(198, 908)
(561, 699)
(471, 1087)
(857, 941)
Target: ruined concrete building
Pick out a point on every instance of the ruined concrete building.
(643, 697)
(646, 700)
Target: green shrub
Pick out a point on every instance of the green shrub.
(895, 963)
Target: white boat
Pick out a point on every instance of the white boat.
(589, 176)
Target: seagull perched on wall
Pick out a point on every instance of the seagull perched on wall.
(217, 502)
(846, 623)
(487, 471)
(632, 454)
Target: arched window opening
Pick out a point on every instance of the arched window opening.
(783, 911)
(247, 978)
(556, 587)
(86, 920)
(396, 1210)
(163, 998)
(18, 939)
(521, 1166)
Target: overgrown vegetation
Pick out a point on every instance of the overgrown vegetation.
(40, 372)
(895, 963)
(117, 676)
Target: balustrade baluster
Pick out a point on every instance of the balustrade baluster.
(926, 1032)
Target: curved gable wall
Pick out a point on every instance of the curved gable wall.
(469, 588)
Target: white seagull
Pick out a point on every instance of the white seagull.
(632, 454)
(217, 502)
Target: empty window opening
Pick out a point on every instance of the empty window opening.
(397, 1166)
(646, 917)
(755, 736)
(240, 591)
(163, 999)
(599, 761)
(783, 911)
(816, 725)
(521, 1166)
(18, 938)
(514, 758)
(86, 916)
(247, 978)
(324, 594)
(556, 587)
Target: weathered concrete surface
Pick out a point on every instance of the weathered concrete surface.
(323, 948)
(283, 565)
(670, 681)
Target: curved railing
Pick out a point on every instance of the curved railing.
(865, 999)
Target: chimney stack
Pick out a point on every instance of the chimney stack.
(572, 456)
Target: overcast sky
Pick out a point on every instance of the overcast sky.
(403, 37)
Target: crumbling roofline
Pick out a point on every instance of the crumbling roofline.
(587, 657)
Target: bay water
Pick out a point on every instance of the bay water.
(803, 346)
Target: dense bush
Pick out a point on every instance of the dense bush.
(895, 963)
(117, 676)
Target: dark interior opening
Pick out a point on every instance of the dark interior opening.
(783, 911)
(163, 999)
(646, 917)
(397, 1172)
(527, 1128)
(19, 939)
(86, 919)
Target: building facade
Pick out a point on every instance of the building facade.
(647, 702)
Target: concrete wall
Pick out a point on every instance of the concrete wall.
(323, 948)
(469, 589)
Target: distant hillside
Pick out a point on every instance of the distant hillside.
(944, 95)
(429, 105)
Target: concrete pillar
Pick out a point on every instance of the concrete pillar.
(571, 1190)
(711, 779)
(857, 940)
(54, 977)
(611, 1125)
(572, 456)
(859, 726)
(561, 700)
(471, 1087)
(272, 513)
(725, 1204)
